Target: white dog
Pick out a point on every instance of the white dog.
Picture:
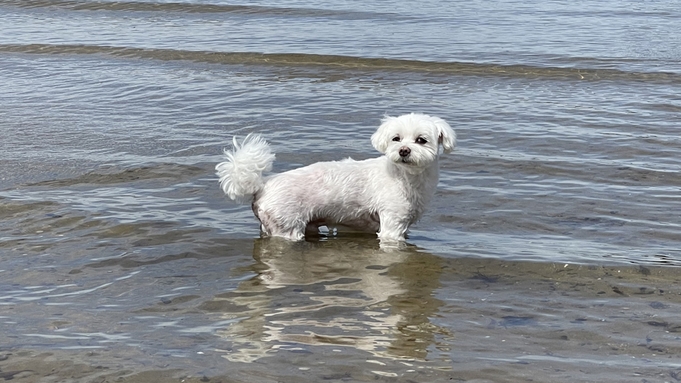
(384, 195)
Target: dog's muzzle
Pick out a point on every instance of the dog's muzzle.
(404, 152)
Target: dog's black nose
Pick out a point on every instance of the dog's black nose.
(405, 151)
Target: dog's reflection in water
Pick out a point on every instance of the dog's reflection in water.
(340, 292)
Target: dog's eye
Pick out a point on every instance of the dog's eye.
(421, 141)
(396, 138)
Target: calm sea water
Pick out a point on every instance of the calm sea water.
(550, 253)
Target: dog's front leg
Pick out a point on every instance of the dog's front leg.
(393, 228)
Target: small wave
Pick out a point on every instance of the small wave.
(178, 7)
(163, 170)
(301, 60)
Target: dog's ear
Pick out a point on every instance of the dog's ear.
(380, 139)
(447, 137)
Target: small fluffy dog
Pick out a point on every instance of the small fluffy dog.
(384, 195)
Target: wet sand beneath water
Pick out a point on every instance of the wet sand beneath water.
(306, 315)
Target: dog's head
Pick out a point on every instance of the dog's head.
(413, 139)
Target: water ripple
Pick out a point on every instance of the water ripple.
(352, 63)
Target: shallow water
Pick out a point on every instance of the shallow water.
(550, 252)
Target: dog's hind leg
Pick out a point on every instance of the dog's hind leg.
(294, 232)
(275, 223)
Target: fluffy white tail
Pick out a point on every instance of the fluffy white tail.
(241, 175)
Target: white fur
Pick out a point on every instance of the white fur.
(384, 195)
(241, 175)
